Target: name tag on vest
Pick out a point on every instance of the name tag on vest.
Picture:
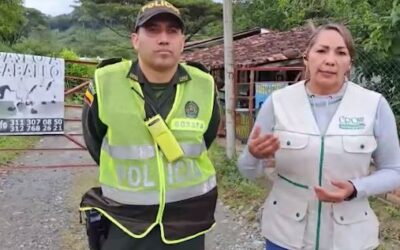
(188, 124)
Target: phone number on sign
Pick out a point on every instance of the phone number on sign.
(31, 125)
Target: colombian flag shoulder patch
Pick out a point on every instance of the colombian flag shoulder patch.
(89, 95)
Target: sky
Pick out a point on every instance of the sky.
(50, 7)
(56, 7)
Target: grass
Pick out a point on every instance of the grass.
(8, 142)
(389, 218)
(240, 194)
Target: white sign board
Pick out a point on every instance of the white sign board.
(31, 94)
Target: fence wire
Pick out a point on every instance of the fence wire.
(381, 75)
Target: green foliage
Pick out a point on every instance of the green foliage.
(75, 70)
(120, 17)
(95, 43)
(17, 22)
(11, 21)
(371, 22)
(36, 21)
(62, 22)
(111, 14)
(393, 212)
(214, 29)
(19, 27)
(98, 28)
(69, 54)
(5, 47)
(34, 44)
(198, 14)
(379, 54)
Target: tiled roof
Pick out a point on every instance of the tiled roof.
(256, 49)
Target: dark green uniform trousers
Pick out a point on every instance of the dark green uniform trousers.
(119, 240)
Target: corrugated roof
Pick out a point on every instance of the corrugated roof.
(256, 50)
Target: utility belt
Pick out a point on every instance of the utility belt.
(97, 227)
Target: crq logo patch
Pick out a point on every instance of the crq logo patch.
(351, 122)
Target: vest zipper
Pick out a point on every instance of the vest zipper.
(321, 162)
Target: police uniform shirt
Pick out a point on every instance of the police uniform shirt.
(94, 129)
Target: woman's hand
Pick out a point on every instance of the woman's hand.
(262, 146)
(343, 190)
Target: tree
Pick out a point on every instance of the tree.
(380, 57)
(61, 22)
(17, 22)
(375, 25)
(35, 21)
(34, 36)
(119, 17)
(93, 43)
(198, 14)
(11, 20)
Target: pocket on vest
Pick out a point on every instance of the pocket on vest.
(355, 225)
(284, 219)
(290, 140)
(359, 144)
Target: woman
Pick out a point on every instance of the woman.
(323, 133)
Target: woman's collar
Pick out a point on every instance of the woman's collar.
(337, 94)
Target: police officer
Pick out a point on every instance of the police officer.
(148, 125)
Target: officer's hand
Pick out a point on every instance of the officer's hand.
(262, 146)
(343, 189)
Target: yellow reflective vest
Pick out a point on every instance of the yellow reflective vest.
(135, 173)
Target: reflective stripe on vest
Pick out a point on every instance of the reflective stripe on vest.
(141, 152)
(147, 151)
(192, 191)
(193, 149)
(152, 198)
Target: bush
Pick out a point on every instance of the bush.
(236, 191)
(5, 48)
(35, 47)
(75, 70)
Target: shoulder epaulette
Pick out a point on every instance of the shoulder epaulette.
(109, 61)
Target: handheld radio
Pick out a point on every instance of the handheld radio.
(162, 135)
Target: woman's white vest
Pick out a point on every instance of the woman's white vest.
(293, 217)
